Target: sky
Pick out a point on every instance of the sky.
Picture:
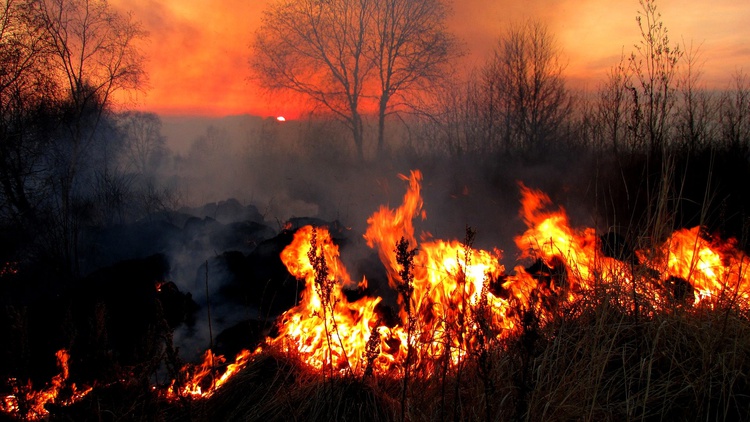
(198, 50)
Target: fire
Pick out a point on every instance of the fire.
(324, 328)
(28, 404)
(454, 299)
(550, 239)
(448, 283)
(711, 267)
(202, 380)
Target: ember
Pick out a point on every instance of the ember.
(8, 269)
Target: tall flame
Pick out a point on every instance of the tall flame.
(324, 328)
(457, 297)
(453, 299)
(387, 226)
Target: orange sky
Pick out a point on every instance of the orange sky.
(198, 50)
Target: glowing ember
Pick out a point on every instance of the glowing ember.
(28, 404)
(8, 269)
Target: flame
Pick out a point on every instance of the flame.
(28, 404)
(712, 267)
(454, 299)
(202, 380)
(550, 239)
(449, 279)
(387, 226)
(324, 328)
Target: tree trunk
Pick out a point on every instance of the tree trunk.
(357, 132)
(381, 125)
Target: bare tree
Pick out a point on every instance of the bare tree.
(695, 111)
(350, 56)
(613, 108)
(527, 102)
(94, 48)
(92, 52)
(654, 66)
(25, 103)
(411, 51)
(318, 48)
(734, 114)
(144, 144)
(447, 128)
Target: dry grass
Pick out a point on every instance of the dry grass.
(597, 364)
(275, 387)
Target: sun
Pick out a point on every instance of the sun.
(281, 119)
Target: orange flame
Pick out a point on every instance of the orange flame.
(447, 277)
(550, 238)
(453, 299)
(28, 404)
(202, 380)
(387, 226)
(713, 268)
(448, 307)
(324, 328)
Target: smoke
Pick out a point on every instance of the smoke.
(306, 169)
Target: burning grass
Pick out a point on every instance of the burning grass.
(597, 363)
(574, 332)
(31, 404)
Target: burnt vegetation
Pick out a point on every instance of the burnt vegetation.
(129, 255)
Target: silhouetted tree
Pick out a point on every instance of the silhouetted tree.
(695, 111)
(60, 63)
(734, 114)
(318, 49)
(93, 54)
(412, 49)
(654, 67)
(613, 110)
(27, 100)
(349, 56)
(518, 100)
(144, 144)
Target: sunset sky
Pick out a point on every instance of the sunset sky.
(198, 50)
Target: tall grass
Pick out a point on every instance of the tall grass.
(596, 363)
